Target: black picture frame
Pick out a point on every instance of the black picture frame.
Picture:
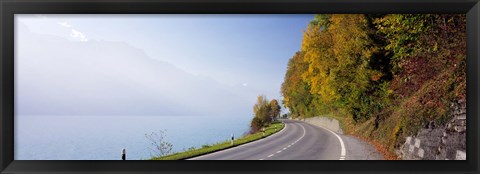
(8, 8)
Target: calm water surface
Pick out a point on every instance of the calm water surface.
(103, 137)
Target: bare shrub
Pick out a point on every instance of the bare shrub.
(159, 146)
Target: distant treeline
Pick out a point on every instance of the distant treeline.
(386, 75)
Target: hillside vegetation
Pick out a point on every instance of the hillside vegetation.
(383, 76)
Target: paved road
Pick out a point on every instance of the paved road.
(297, 141)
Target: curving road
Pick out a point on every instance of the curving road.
(297, 141)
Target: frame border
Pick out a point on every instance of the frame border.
(10, 7)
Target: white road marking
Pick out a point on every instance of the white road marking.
(303, 135)
(284, 148)
(250, 143)
(261, 159)
(343, 152)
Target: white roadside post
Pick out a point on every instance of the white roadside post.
(232, 139)
(124, 154)
(263, 131)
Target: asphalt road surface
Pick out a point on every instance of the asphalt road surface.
(297, 141)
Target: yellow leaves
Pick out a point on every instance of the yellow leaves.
(294, 89)
(337, 57)
(261, 103)
(350, 37)
(310, 37)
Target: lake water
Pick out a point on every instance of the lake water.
(103, 137)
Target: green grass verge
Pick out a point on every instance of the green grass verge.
(205, 149)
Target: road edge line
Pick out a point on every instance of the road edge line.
(343, 152)
(249, 143)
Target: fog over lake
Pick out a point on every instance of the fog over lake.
(87, 86)
(112, 78)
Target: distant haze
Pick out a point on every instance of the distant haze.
(62, 70)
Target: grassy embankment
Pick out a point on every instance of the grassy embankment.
(205, 149)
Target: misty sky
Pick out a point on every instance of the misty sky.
(151, 64)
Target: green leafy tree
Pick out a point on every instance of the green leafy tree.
(321, 20)
(295, 91)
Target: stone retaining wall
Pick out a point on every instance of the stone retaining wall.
(442, 142)
(325, 122)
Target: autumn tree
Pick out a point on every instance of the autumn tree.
(370, 67)
(262, 114)
(338, 56)
(295, 91)
(274, 109)
(262, 109)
